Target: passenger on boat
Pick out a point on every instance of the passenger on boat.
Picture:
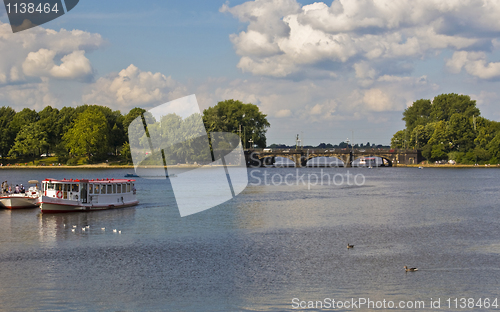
(16, 190)
(22, 190)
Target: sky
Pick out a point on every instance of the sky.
(328, 71)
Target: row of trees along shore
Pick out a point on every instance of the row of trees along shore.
(449, 128)
(97, 133)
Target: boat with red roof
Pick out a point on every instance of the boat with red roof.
(86, 195)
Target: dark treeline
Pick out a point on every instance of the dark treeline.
(88, 130)
(450, 128)
(97, 132)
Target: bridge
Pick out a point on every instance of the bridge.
(267, 157)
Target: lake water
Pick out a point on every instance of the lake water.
(269, 249)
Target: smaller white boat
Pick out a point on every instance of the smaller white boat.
(28, 199)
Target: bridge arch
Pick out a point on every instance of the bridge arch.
(329, 161)
(385, 161)
(290, 163)
(389, 161)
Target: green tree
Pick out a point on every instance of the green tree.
(461, 132)
(446, 105)
(398, 140)
(116, 138)
(417, 114)
(440, 134)
(229, 115)
(127, 119)
(481, 154)
(31, 140)
(494, 146)
(420, 136)
(22, 118)
(114, 123)
(48, 121)
(485, 131)
(439, 152)
(89, 134)
(67, 116)
(6, 136)
(125, 152)
(449, 127)
(65, 120)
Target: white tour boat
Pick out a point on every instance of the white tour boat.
(86, 195)
(29, 199)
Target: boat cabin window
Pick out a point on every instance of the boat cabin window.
(74, 187)
(114, 188)
(66, 187)
(50, 186)
(109, 189)
(103, 189)
(128, 187)
(118, 188)
(124, 188)
(96, 188)
(59, 187)
(91, 189)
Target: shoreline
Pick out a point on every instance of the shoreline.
(447, 166)
(97, 166)
(105, 166)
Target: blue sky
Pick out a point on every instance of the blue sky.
(324, 70)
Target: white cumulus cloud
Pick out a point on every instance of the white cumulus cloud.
(73, 66)
(475, 64)
(33, 95)
(133, 87)
(283, 38)
(31, 59)
(42, 52)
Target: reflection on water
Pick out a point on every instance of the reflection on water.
(269, 245)
(70, 226)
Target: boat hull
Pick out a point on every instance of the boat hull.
(48, 205)
(18, 202)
